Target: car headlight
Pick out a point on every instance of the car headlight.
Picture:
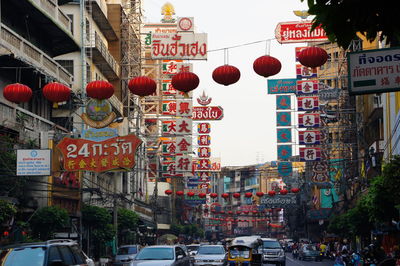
(280, 254)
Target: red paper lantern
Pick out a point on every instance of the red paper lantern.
(248, 194)
(271, 193)
(56, 92)
(246, 212)
(267, 66)
(295, 190)
(238, 212)
(202, 195)
(236, 195)
(222, 212)
(255, 212)
(142, 86)
(260, 194)
(226, 75)
(312, 57)
(283, 191)
(230, 212)
(205, 210)
(99, 89)
(213, 195)
(185, 81)
(225, 195)
(17, 93)
(168, 192)
(190, 194)
(179, 193)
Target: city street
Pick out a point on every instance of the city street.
(290, 261)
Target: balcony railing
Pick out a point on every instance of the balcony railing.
(51, 8)
(23, 49)
(32, 125)
(102, 58)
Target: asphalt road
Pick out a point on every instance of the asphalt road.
(295, 262)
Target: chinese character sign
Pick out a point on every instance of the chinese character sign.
(203, 128)
(204, 140)
(183, 163)
(86, 155)
(184, 144)
(204, 152)
(172, 67)
(168, 148)
(203, 164)
(285, 169)
(284, 135)
(168, 107)
(309, 103)
(283, 102)
(309, 120)
(307, 87)
(183, 126)
(310, 154)
(168, 127)
(184, 108)
(303, 72)
(167, 88)
(309, 137)
(284, 152)
(283, 119)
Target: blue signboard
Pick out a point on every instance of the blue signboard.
(283, 102)
(283, 119)
(285, 169)
(284, 135)
(99, 134)
(284, 152)
(280, 86)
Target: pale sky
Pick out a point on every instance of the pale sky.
(247, 133)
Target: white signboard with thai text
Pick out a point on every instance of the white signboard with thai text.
(182, 45)
(374, 71)
(33, 162)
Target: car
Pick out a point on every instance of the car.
(309, 251)
(273, 252)
(56, 252)
(210, 255)
(192, 249)
(126, 254)
(161, 255)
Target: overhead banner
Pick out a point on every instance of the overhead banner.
(284, 152)
(283, 102)
(181, 46)
(281, 86)
(116, 154)
(285, 169)
(374, 71)
(298, 32)
(279, 201)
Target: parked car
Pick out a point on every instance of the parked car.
(310, 251)
(210, 255)
(126, 254)
(273, 252)
(57, 252)
(192, 249)
(161, 256)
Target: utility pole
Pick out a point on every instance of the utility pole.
(115, 211)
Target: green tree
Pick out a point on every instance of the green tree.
(127, 220)
(176, 229)
(48, 220)
(7, 211)
(98, 221)
(343, 19)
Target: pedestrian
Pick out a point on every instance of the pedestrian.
(339, 260)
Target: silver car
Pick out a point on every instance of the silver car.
(161, 256)
(210, 255)
(126, 254)
(273, 252)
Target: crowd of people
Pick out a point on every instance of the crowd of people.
(343, 255)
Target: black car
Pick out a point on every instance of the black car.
(58, 252)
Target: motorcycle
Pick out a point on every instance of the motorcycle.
(295, 253)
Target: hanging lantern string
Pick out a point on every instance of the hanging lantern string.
(226, 56)
(240, 45)
(267, 47)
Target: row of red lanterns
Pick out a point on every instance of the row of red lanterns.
(236, 195)
(240, 212)
(269, 224)
(239, 220)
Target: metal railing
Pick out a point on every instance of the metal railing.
(51, 8)
(24, 49)
(99, 45)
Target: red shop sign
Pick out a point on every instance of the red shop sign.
(207, 113)
(298, 31)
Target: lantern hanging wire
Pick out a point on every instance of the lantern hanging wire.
(267, 46)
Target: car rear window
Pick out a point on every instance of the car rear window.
(127, 250)
(271, 244)
(32, 256)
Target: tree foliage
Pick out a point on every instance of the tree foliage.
(48, 220)
(98, 220)
(7, 211)
(343, 19)
(127, 219)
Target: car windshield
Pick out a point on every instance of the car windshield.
(239, 252)
(192, 248)
(166, 253)
(127, 250)
(211, 250)
(310, 248)
(33, 256)
(271, 244)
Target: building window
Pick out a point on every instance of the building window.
(71, 17)
(87, 31)
(88, 73)
(68, 65)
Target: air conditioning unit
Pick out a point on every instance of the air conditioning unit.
(378, 101)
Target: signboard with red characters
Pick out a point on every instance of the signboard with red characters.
(204, 140)
(204, 152)
(309, 120)
(309, 103)
(207, 113)
(298, 32)
(307, 86)
(310, 154)
(112, 154)
(204, 128)
(309, 137)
